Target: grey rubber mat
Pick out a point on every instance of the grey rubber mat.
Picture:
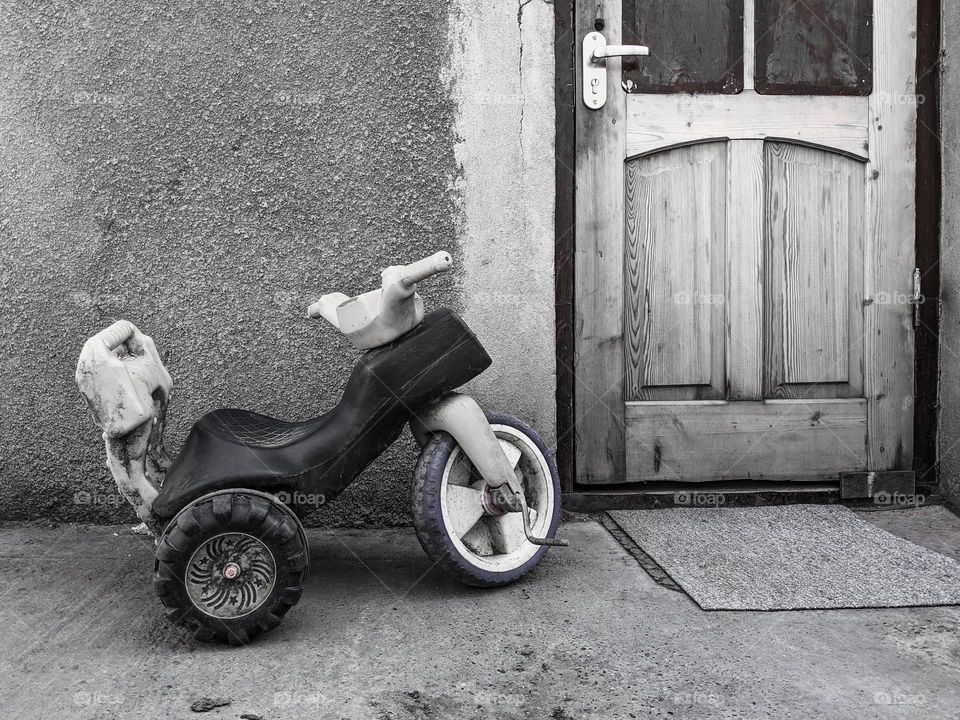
(790, 558)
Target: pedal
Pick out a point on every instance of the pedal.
(550, 542)
(525, 514)
(498, 501)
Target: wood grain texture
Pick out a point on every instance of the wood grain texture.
(749, 44)
(744, 302)
(655, 122)
(818, 253)
(675, 261)
(770, 440)
(813, 333)
(598, 358)
(890, 257)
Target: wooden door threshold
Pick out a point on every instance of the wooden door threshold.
(709, 494)
(892, 488)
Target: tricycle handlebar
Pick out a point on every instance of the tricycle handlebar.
(381, 316)
(422, 269)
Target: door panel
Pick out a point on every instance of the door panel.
(813, 334)
(744, 300)
(706, 441)
(736, 253)
(660, 121)
(675, 232)
(809, 236)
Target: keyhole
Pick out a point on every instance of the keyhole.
(599, 24)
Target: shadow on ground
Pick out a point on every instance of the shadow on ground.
(381, 634)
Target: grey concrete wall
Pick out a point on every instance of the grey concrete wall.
(207, 170)
(949, 437)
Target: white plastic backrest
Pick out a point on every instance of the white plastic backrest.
(118, 372)
(356, 313)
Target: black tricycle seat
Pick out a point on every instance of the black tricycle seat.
(231, 448)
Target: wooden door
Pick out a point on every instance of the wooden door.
(745, 242)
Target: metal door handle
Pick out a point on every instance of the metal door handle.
(603, 52)
(594, 75)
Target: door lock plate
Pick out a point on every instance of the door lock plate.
(594, 73)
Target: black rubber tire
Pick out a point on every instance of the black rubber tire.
(248, 512)
(428, 518)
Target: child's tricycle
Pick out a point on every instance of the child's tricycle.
(231, 550)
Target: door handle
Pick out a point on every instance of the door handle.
(595, 53)
(605, 51)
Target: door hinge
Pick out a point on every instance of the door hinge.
(917, 299)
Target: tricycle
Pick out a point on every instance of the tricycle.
(227, 512)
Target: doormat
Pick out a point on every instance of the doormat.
(793, 557)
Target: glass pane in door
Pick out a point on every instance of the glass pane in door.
(814, 47)
(695, 46)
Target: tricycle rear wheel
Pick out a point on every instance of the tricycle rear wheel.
(230, 565)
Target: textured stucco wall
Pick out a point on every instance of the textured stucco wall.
(207, 170)
(503, 65)
(949, 437)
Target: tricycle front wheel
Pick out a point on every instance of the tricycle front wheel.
(459, 527)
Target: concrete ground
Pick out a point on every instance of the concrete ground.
(378, 634)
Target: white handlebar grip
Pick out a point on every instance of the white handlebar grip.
(326, 308)
(422, 269)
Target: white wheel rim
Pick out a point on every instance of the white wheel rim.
(496, 543)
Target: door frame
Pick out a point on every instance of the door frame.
(928, 196)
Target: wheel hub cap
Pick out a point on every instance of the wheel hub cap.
(491, 503)
(230, 575)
